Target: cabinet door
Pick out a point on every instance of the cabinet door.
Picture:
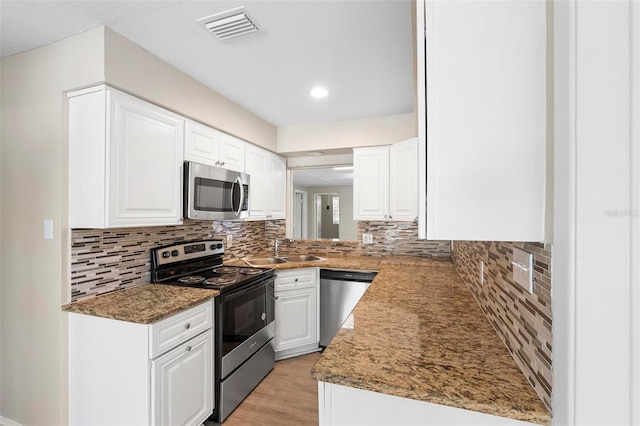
(259, 186)
(403, 180)
(232, 153)
(201, 144)
(145, 167)
(371, 183)
(296, 318)
(486, 132)
(278, 178)
(182, 383)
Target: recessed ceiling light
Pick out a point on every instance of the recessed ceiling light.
(315, 153)
(319, 92)
(343, 168)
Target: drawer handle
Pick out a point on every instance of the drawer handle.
(296, 280)
(187, 326)
(188, 348)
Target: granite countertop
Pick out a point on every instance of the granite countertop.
(145, 304)
(419, 334)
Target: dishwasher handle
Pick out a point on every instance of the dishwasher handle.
(355, 276)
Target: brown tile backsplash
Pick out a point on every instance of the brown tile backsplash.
(114, 259)
(522, 320)
(389, 238)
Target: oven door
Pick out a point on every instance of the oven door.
(212, 193)
(246, 319)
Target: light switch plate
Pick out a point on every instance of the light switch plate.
(523, 269)
(48, 229)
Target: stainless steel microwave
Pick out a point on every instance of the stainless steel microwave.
(213, 193)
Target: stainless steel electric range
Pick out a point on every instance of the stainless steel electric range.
(244, 315)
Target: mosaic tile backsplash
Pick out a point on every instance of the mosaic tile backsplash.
(389, 238)
(115, 259)
(522, 320)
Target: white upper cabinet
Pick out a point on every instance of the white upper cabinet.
(485, 118)
(125, 161)
(267, 185)
(403, 182)
(232, 153)
(206, 145)
(278, 179)
(385, 182)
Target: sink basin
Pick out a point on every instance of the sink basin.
(258, 261)
(289, 258)
(301, 258)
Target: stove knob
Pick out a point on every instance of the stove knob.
(165, 254)
(219, 246)
(212, 247)
(174, 253)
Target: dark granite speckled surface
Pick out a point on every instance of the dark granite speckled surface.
(145, 304)
(418, 333)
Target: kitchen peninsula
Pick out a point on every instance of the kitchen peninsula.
(418, 334)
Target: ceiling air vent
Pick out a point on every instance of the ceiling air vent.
(230, 24)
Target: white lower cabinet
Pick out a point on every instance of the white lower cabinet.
(297, 312)
(141, 374)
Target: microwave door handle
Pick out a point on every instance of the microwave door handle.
(239, 183)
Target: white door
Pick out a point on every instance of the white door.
(403, 180)
(183, 383)
(300, 215)
(296, 318)
(145, 167)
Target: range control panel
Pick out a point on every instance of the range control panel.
(191, 250)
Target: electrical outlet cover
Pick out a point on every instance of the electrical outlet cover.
(523, 269)
(367, 238)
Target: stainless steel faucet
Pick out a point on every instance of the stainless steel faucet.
(276, 246)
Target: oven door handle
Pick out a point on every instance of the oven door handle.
(238, 182)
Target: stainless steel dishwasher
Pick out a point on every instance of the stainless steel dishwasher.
(339, 293)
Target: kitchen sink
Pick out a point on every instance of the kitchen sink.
(259, 261)
(289, 258)
(301, 258)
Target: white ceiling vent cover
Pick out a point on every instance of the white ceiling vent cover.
(230, 24)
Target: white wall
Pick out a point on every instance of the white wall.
(33, 328)
(131, 68)
(346, 134)
(596, 303)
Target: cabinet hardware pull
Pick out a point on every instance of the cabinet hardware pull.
(296, 280)
(188, 348)
(187, 326)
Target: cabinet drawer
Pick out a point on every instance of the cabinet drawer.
(179, 328)
(299, 278)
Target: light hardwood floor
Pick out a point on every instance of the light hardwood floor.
(287, 396)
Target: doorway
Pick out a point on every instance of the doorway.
(327, 215)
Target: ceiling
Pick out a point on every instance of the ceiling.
(360, 50)
(332, 176)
